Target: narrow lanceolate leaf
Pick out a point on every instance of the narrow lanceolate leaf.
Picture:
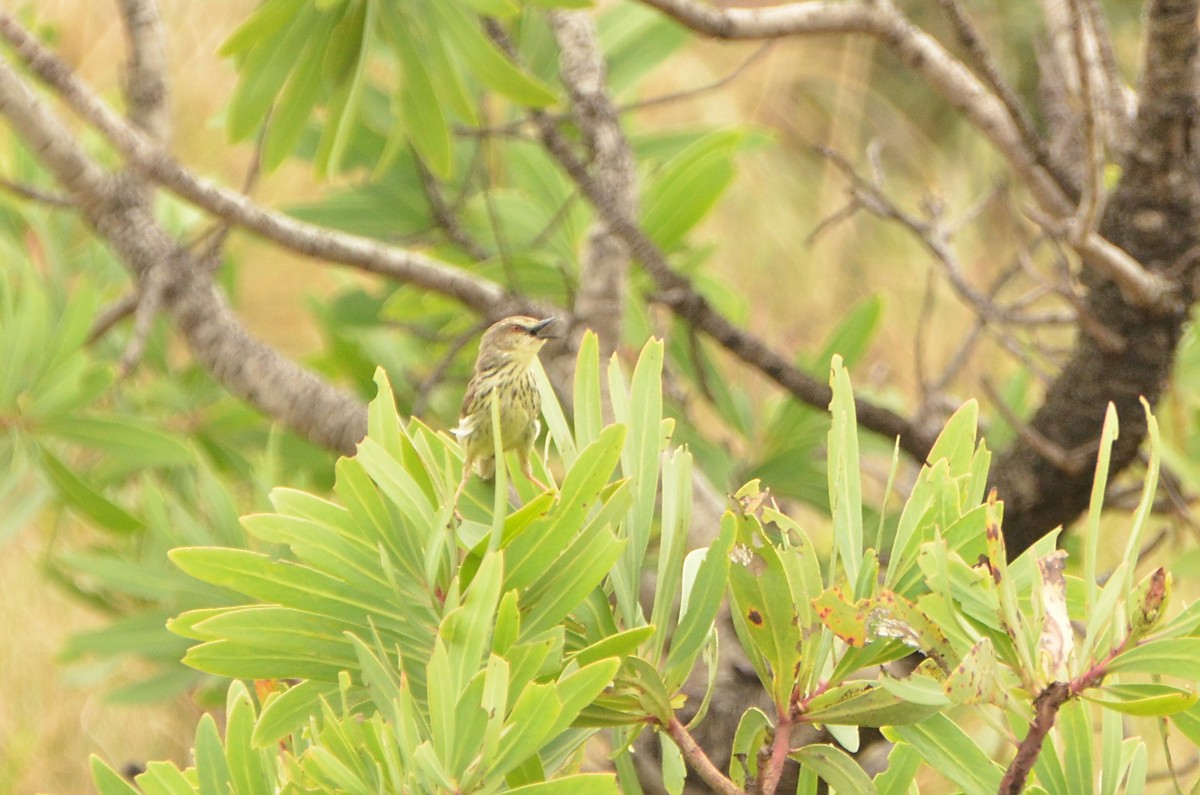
(212, 768)
(1143, 699)
(836, 767)
(485, 60)
(948, 749)
(587, 390)
(864, 704)
(109, 781)
(747, 741)
(703, 602)
(642, 413)
(83, 498)
(1091, 538)
(582, 784)
(845, 487)
(1171, 657)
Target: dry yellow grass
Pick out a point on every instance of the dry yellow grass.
(50, 725)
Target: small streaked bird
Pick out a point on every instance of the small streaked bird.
(506, 355)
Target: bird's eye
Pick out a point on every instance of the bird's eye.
(515, 327)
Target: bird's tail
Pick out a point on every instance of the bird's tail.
(486, 468)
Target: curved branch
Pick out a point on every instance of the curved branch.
(919, 51)
(247, 367)
(483, 296)
(681, 296)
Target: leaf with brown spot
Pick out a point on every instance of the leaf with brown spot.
(847, 621)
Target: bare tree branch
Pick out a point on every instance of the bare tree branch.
(678, 293)
(250, 369)
(957, 85)
(983, 62)
(1153, 217)
(146, 73)
(600, 303)
(35, 194)
(484, 297)
(918, 50)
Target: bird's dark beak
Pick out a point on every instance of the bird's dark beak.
(543, 329)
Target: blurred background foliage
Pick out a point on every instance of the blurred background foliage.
(103, 474)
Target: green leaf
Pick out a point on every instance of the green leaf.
(266, 21)
(1188, 722)
(530, 555)
(580, 569)
(701, 606)
(762, 607)
(83, 498)
(282, 30)
(949, 750)
(417, 98)
(1143, 699)
(135, 444)
(107, 780)
(580, 784)
(635, 40)
(466, 631)
(674, 771)
(494, 8)
(620, 645)
(864, 704)
(1091, 529)
(579, 689)
(1075, 730)
(1171, 657)
(212, 769)
(249, 768)
(345, 62)
(845, 486)
(836, 767)
(687, 187)
(289, 117)
(587, 390)
(675, 509)
(641, 411)
(902, 765)
(747, 740)
(529, 724)
(286, 712)
(485, 60)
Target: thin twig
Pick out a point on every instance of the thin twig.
(442, 367)
(444, 217)
(1093, 197)
(980, 58)
(692, 93)
(111, 315)
(1071, 462)
(152, 287)
(35, 194)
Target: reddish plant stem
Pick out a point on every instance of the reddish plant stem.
(1045, 710)
(699, 760)
(768, 777)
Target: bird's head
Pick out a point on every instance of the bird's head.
(517, 338)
